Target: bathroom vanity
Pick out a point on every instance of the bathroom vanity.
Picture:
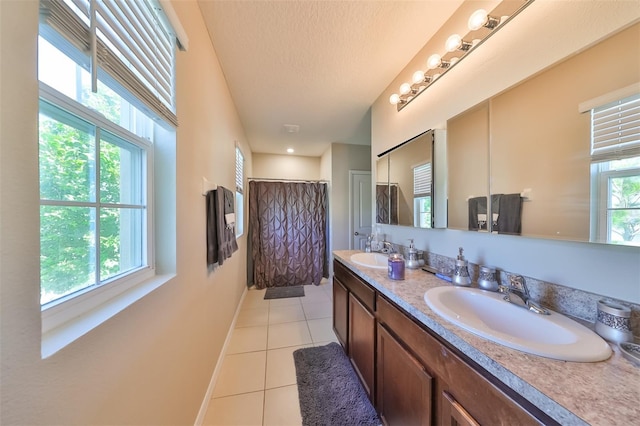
(417, 368)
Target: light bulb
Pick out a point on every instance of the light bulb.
(405, 88)
(290, 150)
(394, 99)
(478, 19)
(454, 42)
(434, 61)
(418, 77)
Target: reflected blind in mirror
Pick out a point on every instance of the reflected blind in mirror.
(615, 130)
(422, 180)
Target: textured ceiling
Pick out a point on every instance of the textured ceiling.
(316, 64)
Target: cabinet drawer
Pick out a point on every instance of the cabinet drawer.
(355, 285)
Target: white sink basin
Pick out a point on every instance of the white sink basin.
(371, 260)
(488, 315)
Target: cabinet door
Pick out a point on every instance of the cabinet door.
(362, 337)
(340, 312)
(404, 389)
(454, 414)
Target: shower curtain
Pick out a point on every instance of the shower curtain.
(287, 233)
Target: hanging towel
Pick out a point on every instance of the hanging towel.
(510, 214)
(212, 229)
(221, 236)
(477, 207)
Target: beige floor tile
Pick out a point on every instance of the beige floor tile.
(313, 289)
(282, 407)
(253, 317)
(254, 299)
(316, 297)
(316, 310)
(281, 369)
(244, 409)
(287, 301)
(288, 334)
(321, 330)
(241, 373)
(291, 313)
(248, 339)
(318, 344)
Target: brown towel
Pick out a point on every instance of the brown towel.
(221, 239)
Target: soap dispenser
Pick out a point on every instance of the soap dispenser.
(412, 257)
(461, 273)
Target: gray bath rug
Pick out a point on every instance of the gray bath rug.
(330, 393)
(284, 292)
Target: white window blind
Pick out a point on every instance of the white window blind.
(239, 170)
(132, 45)
(615, 130)
(422, 180)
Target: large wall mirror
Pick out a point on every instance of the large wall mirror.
(521, 162)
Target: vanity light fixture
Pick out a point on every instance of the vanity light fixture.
(436, 61)
(438, 65)
(455, 42)
(480, 18)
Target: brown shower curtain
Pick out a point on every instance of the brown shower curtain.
(287, 233)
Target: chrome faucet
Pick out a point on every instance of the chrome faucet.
(388, 247)
(518, 294)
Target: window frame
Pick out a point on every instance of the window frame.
(418, 195)
(617, 109)
(59, 311)
(239, 192)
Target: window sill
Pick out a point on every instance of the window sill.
(66, 333)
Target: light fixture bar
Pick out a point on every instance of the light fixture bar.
(438, 65)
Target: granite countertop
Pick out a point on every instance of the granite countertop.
(572, 393)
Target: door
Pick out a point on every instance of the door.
(403, 388)
(360, 208)
(362, 341)
(340, 312)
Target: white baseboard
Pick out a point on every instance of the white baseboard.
(214, 377)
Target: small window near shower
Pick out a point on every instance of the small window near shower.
(239, 192)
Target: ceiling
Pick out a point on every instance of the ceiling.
(319, 65)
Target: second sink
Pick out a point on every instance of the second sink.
(488, 315)
(371, 260)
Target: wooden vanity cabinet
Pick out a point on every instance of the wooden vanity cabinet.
(404, 388)
(354, 322)
(340, 312)
(413, 377)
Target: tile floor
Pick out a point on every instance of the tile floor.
(257, 382)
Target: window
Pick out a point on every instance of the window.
(104, 107)
(239, 192)
(422, 195)
(615, 156)
(93, 210)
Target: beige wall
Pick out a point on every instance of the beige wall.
(271, 166)
(344, 158)
(468, 162)
(152, 362)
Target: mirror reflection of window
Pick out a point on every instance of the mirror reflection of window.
(615, 165)
(422, 196)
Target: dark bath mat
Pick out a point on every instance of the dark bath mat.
(284, 292)
(330, 393)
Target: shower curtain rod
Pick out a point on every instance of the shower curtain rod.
(287, 180)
